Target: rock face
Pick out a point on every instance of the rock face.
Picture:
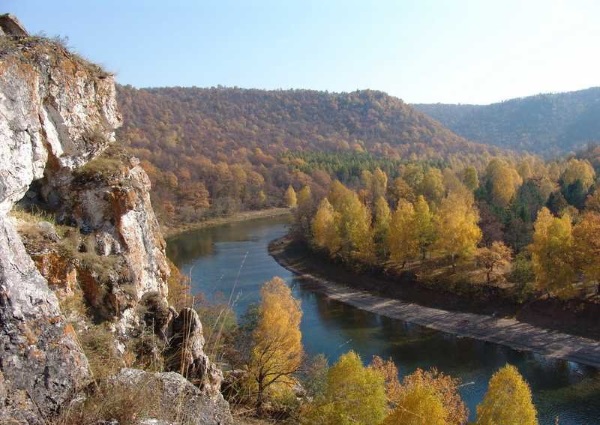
(186, 354)
(57, 115)
(10, 26)
(50, 104)
(109, 203)
(175, 399)
(57, 111)
(40, 360)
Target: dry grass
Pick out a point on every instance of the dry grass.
(98, 344)
(113, 402)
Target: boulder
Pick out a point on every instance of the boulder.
(186, 353)
(175, 398)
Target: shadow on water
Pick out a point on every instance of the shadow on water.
(234, 259)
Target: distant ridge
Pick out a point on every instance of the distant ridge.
(545, 124)
(287, 120)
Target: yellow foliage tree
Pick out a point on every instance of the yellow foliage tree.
(424, 225)
(354, 224)
(355, 394)
(432, 185)
(403, 244)
(470, 178)
(551, 252)
(381, 227)
(445, 388)
(507, 400)
(578, 169)
(456, 225)
(586, 236)
(324, 228)
(277, 351)
(493, 257)
(291, 199)
(304, 212)
(418, 405)
(424, 397)
(503, 181)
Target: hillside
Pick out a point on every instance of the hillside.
(221, 150)
(546, 124)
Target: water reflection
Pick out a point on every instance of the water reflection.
(233, 260)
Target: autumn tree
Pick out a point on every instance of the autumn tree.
(355, 394)
(493, 258)
(400, 189)
(381, 226)
(417, 405)
(592, 203)
(354, 224)
(324, 228)
(423, 397)
(586, 246)
(502, 182)
(507, 400)
(470, 178)
(551, 252)
(290, 197)
(432, 185)
(424, 226)
(277, 352)
(304, 213)
(403, 244)
(445, 388)
(456, 225)
(578, 170)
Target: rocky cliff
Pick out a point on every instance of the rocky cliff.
(58, 114)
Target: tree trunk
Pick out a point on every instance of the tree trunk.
(259, 398)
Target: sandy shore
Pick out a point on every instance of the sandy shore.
(505, 331)
(235, 218)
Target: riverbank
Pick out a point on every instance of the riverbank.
(503, 327)
(169, 232)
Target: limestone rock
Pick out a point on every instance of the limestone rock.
(58, 112)
(176, 399)
(186, 353)
(112, 211)
(41, 362)
(10, 26)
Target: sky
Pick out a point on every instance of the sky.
(422, 51)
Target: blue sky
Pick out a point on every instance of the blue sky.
(459, 51)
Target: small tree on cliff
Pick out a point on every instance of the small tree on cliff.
(277, 352)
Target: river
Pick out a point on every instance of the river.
(232, 260)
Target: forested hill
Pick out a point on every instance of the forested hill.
(221, 150)
(222, 120)
(546, 124)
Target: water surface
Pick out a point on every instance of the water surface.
(232, 261)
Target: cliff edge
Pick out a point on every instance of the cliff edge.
(58, 114)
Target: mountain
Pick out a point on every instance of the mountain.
(241, 148)
(545, 124)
